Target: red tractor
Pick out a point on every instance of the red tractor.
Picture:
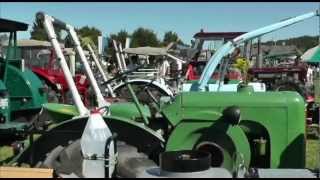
(41, 59)
(289, 76)
(195, 69)
(206, 43)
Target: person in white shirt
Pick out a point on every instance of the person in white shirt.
(164, 68)
(309, 75)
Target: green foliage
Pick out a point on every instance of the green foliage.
(144, 37)
(303, 42)
(38, 32)
(120, 36)
(5, 152)
(312, 154)
(85, 34)
(90, 32)
(171, 36)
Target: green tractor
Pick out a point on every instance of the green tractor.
(243, 129)
(21, 92)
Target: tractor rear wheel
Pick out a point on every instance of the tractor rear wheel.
(67, 160)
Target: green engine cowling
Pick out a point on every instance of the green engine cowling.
(26, 94)
(271, 133)
(26, 90)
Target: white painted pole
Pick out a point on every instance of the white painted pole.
(117, 55)
(100, 99)
(175, 58)
(127, 45)
(127, 42)
(100, 45)
(72, 63)
(105, 79)
(75, 94)
(124, 65)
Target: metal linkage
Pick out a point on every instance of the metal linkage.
(100, 99)
(121, 67)
(49, 23)
(105, 79)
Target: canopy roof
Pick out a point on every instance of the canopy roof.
(312, 55)
(11, 26)
(147, 50)
(217, 35)
(31, 43)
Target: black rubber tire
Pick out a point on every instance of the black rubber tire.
(65, 160)
(68, 160)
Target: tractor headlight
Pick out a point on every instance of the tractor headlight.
(4, 102)
(232, 114)
(59, 87)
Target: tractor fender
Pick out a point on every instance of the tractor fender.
(228, 141)
(135, 134)
(29, 86)
(44, 76)
(161, 87)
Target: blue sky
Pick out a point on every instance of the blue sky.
(184, 18)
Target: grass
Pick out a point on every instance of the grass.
(312, 151)
(5, 153)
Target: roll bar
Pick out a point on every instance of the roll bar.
(58, 23)
(231, 45)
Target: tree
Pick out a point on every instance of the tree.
(171, 36)
(121, 36)
(39, 33)
(303, 42)
(144, 37)
(90, 32)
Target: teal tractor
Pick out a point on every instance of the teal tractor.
(21, 92)
(257, 129)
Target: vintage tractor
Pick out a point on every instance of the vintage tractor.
(198, 62)
(198, 58)
(148, 76)
(144, 82)
(21, 91)
(41, 59)
(257, 129)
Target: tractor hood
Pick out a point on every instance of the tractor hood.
(208, 106)
(62, 112)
